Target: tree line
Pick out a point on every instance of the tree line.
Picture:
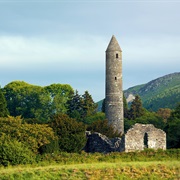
(37, 120)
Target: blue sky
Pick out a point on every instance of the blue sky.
(46, 42)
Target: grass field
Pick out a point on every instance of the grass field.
(95, 171)
(148, 164)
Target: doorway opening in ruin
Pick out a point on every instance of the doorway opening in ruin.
(145, 140)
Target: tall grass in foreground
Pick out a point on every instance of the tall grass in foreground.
(75, 158)
(97, 171)
(148, 164)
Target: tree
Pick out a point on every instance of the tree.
(3, 105)
(136, 109)
(71, 134)
(59, 94)
(80, 107)
(27, 100)
(13, 152)
(95, 117)
(176, 112)
(165, 113)
(75, 106)
(38, 102)
(89, 107)
(146, 118)
(32, 135)
(173, 129)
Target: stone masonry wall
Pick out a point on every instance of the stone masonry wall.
(135, 137)
(97, 142)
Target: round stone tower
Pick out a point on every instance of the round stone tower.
(114, 93)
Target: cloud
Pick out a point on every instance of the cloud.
(79, 60)
(20, 52)
(152, 50)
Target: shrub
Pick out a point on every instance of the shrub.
(33, 135)
(71, 134)
(52, 147)
(13, 152)
(94, 117)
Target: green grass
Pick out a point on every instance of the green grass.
(104, 170)
(148, 164)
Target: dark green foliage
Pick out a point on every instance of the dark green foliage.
(173, 129)
(80, 107)
(128, 124)
(27, 100)
(163, 92)
(52, 147)
(71, 134)
(151, 118)
(104, 128)
(146, 118)
(89, 106)
(136, 109)
(173, 133)
(94, 117)
(75, 106)
(3, 105)
(176, 112)
(13, 152)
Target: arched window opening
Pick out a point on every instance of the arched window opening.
(115, 78)
(145, 140)
(116, 55)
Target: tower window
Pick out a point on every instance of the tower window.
(115, 78)
(117, 55)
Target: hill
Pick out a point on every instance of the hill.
(163, 92)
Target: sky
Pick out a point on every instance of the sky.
(52, 41)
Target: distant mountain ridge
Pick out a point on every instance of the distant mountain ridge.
(163, 92)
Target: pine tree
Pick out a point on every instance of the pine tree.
(3, 105)
(89, 106)
(136, 109)
(75, 107)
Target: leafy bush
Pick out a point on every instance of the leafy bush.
(94, 117)
(33, 135)
(71, 134)
(173, 129)
(13, 152)
(52, 147)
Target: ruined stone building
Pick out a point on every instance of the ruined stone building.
(138, 137)
(142, 136)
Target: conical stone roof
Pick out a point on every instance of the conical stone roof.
(113, 45)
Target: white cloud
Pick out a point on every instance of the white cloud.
(80, 60)
(18, 51)
(157, 51)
